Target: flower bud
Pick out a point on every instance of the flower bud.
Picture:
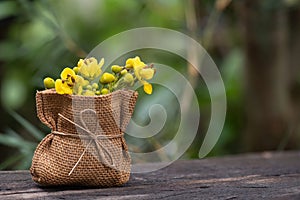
(49, 83)
(123, 72)
(116, 68)
(104, 91)
(75, 69)
(95, 86)
(89, 93)
(89, 87)
(97, 92)
(128, 78)
(107, 78)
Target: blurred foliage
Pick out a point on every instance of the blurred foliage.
(25, 147)
(42, 37)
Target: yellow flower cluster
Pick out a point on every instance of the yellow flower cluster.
(87, 78)
(141, 71)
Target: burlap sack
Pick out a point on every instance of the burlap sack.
(86, 146)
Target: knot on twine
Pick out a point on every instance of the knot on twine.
(92, 137)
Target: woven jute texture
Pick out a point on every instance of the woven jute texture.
(86, 146)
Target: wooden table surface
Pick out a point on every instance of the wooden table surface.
(250, 176)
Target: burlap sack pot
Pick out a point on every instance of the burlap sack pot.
(86, 146)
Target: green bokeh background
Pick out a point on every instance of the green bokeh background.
(40, 38)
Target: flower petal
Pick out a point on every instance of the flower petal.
(66, 73)
(148, 88)
(138, 62)
(147, 73)
(129, 63)
(83, 71)
(101, 63)
(62, 87)
(80, 63)
(58, 86)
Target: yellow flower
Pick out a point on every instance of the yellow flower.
(66, 83)
(90, 68)
(62, 87)
(49, 83)
(68, 76)
(81, 79)
(141, 73)
(107, 78)
(134, 62)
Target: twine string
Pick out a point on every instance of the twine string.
(93, 138)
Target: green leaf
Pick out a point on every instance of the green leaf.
(13, 141)
(11, 132)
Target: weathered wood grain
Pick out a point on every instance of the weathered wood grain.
(252, 176)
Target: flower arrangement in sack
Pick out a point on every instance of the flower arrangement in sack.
(88, 111)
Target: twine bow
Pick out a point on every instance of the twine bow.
(93, 138)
